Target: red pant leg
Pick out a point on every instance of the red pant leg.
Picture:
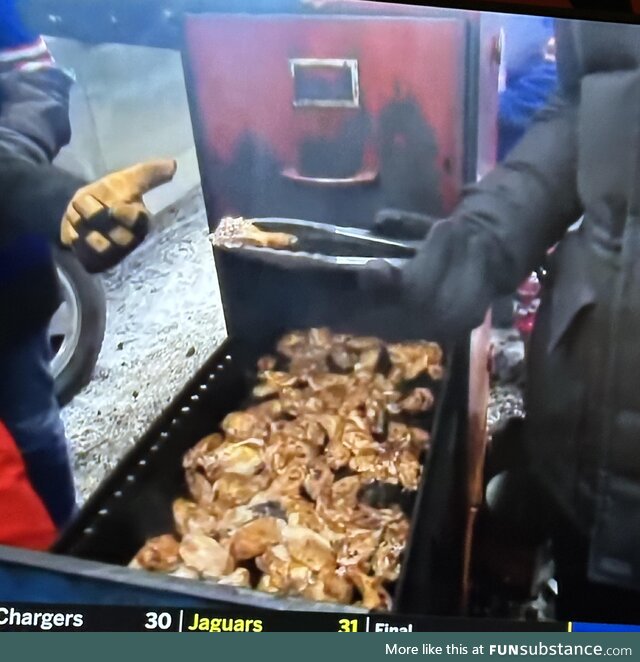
(24, 521)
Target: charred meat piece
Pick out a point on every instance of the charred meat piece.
(192, 518)
(307, 351)
(235, 490)
(308, 547)
(200, 488)
(273, 382)
(386, 559)
(245, 458)
(419, 400)
(255, 538)
(243, 425)
(205, 447)
(374, 596)
(232, 519)
(344, 492)
(240, 577)
(403, 436)
(159, 554)
(412, 359)
(318, 479)
(206, 555)
(238, 232)
(358, 549)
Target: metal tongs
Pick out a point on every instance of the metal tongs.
(320, 244)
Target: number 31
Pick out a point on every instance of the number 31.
(348, 625)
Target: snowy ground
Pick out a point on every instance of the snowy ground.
(164, 318)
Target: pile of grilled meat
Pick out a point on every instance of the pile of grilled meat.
(281, 499)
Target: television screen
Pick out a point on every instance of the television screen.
(320, 306)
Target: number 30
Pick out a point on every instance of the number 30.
(157, 621)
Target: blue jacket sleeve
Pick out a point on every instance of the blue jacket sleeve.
(523, 98)
(34, 93)
(13, 31)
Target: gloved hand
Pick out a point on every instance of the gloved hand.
(447, 282)
(107, 220)
(379, 277)
(399, 224)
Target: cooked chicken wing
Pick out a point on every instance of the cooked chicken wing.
(254, 538)
(235, 490)
(205, 447)
(374, 596)
(308, 547)
(240, 577)
(236, 232)
(193, 518)
(412, 359)
(160, 554)
(205, 555)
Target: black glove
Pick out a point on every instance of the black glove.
(447, 281)
(379, 278)
(399, 224)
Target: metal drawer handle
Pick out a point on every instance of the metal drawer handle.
(361, 178)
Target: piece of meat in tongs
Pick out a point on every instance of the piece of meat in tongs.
(238, 232)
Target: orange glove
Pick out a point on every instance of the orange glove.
(107, 220)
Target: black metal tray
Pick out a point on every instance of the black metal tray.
(134, 502)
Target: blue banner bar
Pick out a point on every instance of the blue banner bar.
(602, 627)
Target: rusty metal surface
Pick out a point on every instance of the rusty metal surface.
(402, 146)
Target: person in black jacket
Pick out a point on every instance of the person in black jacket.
(582, 432)
(41, 205)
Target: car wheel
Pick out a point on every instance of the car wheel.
(77, 328)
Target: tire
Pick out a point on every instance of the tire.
(77, 328)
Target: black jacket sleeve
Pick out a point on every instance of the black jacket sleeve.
(33, 198)
(34, 126)
(34, 113)
(506, 223)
